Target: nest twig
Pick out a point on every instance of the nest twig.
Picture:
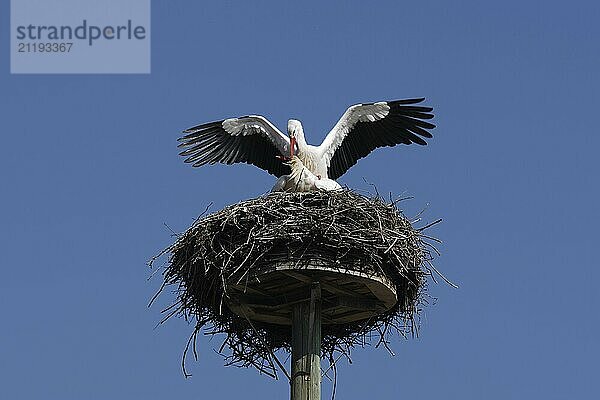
(364, 233)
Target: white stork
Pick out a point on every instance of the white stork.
(254, 140)
(301, 179)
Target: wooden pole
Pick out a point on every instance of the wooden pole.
(306, 348)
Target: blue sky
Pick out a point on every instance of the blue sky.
(90, 173)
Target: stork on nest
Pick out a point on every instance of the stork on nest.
(311, 268)
(253, 139)
(232, 273)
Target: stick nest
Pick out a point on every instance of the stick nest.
(342, 228)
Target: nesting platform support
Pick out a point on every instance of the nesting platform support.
(306, 347)
(347, 295)
(308, 295)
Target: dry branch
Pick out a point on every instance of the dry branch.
(342, 228)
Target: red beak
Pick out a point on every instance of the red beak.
(292, 145)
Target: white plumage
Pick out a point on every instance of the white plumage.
(301, 179)
(253, 139)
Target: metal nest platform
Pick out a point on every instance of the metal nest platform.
(248, 270)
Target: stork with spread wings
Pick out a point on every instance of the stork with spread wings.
(254, 140)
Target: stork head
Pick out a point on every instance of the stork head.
(296, 135)
(295, 129)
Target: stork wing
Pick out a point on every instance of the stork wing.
(251, 139)
(365, 127)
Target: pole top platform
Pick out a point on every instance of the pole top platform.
(347, 295)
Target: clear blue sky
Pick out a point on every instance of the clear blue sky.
(90, 172)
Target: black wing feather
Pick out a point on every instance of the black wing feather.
(404, 124)
(209, 143)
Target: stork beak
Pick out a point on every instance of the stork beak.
(292, 146)
(292, 151)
